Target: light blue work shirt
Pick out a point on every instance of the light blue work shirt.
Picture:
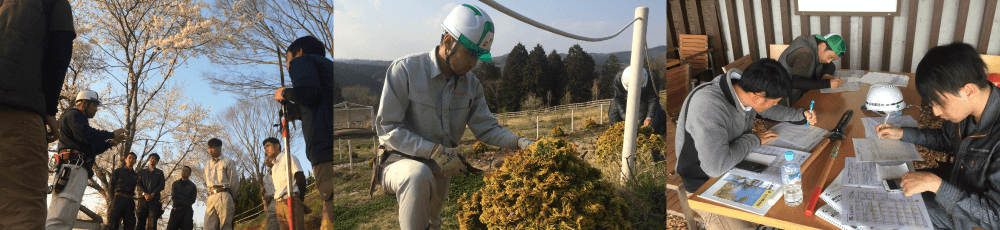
(421, 107)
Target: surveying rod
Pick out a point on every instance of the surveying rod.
(288, 155)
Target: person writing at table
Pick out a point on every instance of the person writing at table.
(808, 60)
(965, 194)
(715, 134)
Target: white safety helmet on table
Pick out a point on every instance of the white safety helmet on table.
(473, 28)
(884, 98)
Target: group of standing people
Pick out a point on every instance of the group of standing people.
(30, 84)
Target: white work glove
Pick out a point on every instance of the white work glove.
(448, 160)
(524, 142)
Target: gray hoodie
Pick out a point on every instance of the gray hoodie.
(715, 135)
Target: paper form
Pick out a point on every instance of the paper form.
(893, 172)
(846, 87)
(884, 209)
(773, 172)
(860, 174)
(872, 78)
(799, 135)
(849, 74)
(885, 150)
(898, 121)
(788, 145)
(832, 193)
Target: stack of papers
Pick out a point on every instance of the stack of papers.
(884, 209)
(868, 150)
(885, 78)
(800, 135)
(836, 207)
(773, 157)
(898, 121)
(846, 87)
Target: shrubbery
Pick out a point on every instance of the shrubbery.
(480, 147)
(544, 186)
(558, 132)
(589, 124)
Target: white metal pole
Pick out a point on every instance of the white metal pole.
(631, 115)
(572, 117)
(601, 117)
(340, 147)
(349, 158)
(536, 129)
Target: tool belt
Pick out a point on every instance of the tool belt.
(70, 156)
(383, 153)
(218, 189)
(123, 195)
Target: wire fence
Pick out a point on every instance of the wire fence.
(244, 217)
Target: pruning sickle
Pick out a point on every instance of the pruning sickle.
(836, 135)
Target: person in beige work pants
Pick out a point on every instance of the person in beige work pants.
(223, 184)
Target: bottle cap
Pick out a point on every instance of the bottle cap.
(789, 155)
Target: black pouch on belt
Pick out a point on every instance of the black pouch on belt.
(62, 177)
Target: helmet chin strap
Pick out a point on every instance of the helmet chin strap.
(447, 58)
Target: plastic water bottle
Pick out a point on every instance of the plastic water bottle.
(792, 178)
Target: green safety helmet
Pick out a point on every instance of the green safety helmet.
(835, 42)
(473, 28)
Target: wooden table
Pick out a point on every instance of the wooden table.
(829, 107)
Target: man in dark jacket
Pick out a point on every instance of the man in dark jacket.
(953, 79)
(122, 185)
(78, 145)
(151, 182)
(808, 60)
(36, 45)
(184, 194)
(312, 75)
(651, 114)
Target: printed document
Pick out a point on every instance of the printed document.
(868, 150)
(898, 121)
(884, 209)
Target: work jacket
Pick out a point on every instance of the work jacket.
(971, 194)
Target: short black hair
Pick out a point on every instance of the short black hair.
(820, 41)
(186, 167)
(130, 153)
(215, 142)
(767, 76)
(271, 140)
(154, 155)
(308, 45)
(948, 68)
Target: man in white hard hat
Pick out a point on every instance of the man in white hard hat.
(427, 102)
(651, 114)
(79, 144)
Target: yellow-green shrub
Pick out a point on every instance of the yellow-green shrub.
(480, 147)
(589, 124)
(544, 186)
(609, 145)
(558, 132)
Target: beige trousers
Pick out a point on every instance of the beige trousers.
(219, 211)
(283, 214)
(23, 170)
(421, 195)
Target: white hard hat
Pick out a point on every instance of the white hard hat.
(473, 28)
(626, 77)
(884, 98)
(89, 95)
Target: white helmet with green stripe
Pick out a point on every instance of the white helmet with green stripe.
(473, 28)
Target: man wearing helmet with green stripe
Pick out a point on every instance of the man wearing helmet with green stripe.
(427, 102)
(808, 59)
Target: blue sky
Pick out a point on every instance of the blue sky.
(386, 30)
